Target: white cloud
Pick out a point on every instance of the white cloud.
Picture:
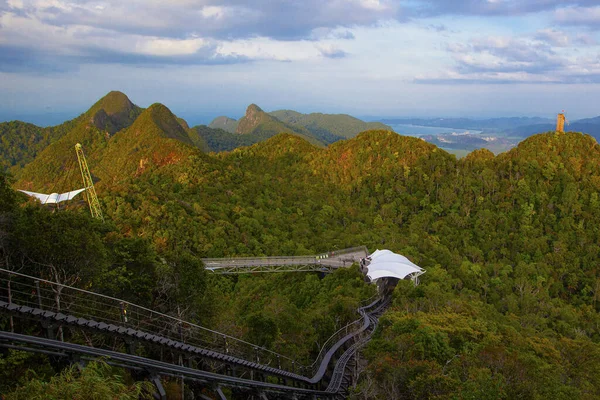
(213, 12)
(579, 16)
(586, 39)
(373, 4)
(546, 56)
(554, 37)
(169, 47)
(15, 4)
(263, 48)
(288, 43)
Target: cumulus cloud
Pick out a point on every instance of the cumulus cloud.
(218, 19)
(226, 31)
(189, 31)
(543, 57)
(264, 48)
(585, 39)
(492, 7)
(582, 16)
(28, 44)
(553, 37)
(506, 54)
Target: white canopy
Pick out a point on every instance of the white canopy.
(389, 256)
(385, 263)
(53, 198)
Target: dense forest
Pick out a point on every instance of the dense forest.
(508, 307)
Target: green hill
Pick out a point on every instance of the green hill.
(113, 112)
(55, 169)
(258, 123)
(119, 139)
(375, 155)
(217, 139)
(258, 126)
(288, 116)
(20, 142)
(155, 139)
(328, 127)
(225, 123)
(255, 126)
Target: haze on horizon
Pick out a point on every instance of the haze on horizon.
(204, 58)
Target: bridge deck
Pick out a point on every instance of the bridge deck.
(324, 262)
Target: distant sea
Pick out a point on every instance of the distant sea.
(418, 131)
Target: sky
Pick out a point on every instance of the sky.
(204, 58)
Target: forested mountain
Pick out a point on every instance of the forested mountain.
(225, 123)
(113, 112)
(258, 123)
(508, 307)
(20, 142)
(255, 126)
(120, 140)
(325, 128)
(217, 139)
(328, 128)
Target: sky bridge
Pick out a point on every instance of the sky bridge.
(42, 316)
(323, 262)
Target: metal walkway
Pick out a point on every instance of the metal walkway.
(155, 344)
(324, 262)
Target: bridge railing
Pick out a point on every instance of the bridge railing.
(356, 249)
(330, 259)
(39, 293)
(352, 327)
(30, 291)
(331, 341)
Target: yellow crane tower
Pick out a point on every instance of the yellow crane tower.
(88, 183)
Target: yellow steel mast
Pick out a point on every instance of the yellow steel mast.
(88, 183)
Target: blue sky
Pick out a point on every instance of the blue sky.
(203, 58)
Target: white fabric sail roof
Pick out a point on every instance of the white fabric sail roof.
(385, 263)
(53, 198)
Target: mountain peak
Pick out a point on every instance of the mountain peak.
(328, 128)
(479, 155)
(253, 108)
(225, 123)
(158, 119)
(113, 112)
(114, 102)
(254, 117)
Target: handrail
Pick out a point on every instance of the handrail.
(219, 339)
(328, 344)
(329, 259)
(128, 361)
(116, 311)
(227, 343)
(337, 334)
(312, 257)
